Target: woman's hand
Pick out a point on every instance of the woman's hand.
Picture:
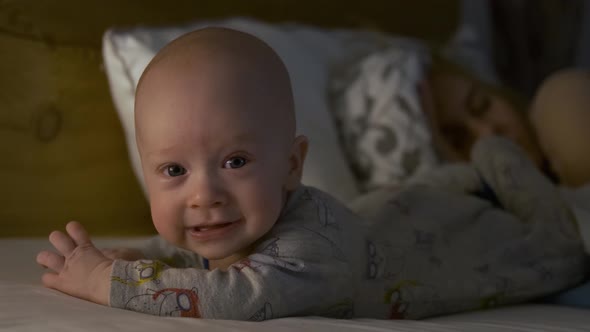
(79, 268)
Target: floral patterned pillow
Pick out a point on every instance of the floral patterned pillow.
(379, 117)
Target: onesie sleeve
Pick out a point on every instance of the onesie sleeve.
(156, 248)
(299, 268)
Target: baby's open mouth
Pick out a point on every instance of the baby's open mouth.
(211, 227)
(214, 230)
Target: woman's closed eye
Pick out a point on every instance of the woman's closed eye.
(478, 102)
(174, 170)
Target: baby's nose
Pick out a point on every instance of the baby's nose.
(207, 193)
(205, 201)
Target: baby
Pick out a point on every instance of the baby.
(222, 163)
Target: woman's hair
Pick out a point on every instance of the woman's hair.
(442, 66)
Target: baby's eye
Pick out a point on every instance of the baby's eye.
(174, 170)
(235, 162)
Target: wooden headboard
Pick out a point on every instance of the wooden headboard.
(62, 147)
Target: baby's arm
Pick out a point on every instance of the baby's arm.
(263, 286)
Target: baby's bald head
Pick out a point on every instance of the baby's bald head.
(215, 129)
(223, 67)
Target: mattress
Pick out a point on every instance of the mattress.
(25, 305)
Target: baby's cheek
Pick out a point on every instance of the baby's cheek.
(163, 217)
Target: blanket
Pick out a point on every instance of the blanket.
(473, 236)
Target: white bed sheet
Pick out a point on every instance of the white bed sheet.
(25, 305)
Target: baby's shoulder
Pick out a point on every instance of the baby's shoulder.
(309, 203)
(313, 224)
(312, 212)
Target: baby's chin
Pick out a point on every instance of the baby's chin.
(223, 261)
(216, 251)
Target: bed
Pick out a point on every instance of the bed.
(26, 306)
(63, 123)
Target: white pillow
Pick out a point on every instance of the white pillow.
(379, 116)
(308, 54)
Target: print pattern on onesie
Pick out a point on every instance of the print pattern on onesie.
(386, 261)
(264, 313)
(329, 230)
(270, 255)
(408, 295)
(146, 270)
(174, 302)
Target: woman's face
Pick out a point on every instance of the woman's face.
(464, 111)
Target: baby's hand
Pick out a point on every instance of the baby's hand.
(128, 254)
(79, 269)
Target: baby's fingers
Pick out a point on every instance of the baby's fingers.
(78, 233)
(51, 260)
(63, 243)
(50, 280)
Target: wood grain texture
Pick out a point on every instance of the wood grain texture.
(63, 150)
(83, 22)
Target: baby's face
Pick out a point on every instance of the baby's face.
(216, 165)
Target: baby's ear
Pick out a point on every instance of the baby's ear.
(296, 160)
